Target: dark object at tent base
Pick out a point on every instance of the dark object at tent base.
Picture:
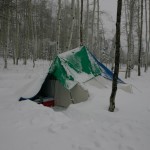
(48, 102)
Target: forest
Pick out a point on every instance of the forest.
(41, 29)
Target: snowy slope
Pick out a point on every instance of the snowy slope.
(84, 126)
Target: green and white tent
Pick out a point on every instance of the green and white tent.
(67, 75)
(75, 66)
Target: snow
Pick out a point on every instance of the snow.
(83, 126)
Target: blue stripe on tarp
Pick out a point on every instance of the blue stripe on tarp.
(105, 71)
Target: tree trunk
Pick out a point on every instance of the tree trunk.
(81, 25)
(140, 44)
(149, 30)
(93, 18)
(146, 41)
(7, 36)
(98, 34)
(87, 25)
(117, 58)
(72, 25)
(58, 27)
(17, 34)
(129, 38)
(78, 20)
(126, 26)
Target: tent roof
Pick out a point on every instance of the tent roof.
(74, 66)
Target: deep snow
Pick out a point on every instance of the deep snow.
(84, 126)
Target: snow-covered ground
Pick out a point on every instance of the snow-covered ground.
(84, 126)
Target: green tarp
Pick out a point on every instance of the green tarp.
(74, 66)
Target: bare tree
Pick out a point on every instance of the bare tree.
(6, 49)
(146, 38)
(78, 20)
(59, 24)
(81, 25)
(117, 58)
(72, 24)
(87, 24)
(140, 41)
(129, 33)
(149, 29)
(98, 26)
(93, 18)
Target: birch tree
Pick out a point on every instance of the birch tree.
(87, 24)
(58, 27)
(81, 25)
(78, 20)
(146, 38)
(93, 18)
(98, 34)
(129, 33)
(140, 41)
(8, 5)
(72, 24)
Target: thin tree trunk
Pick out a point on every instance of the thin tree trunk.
(30, 26)
(78, 20)
(98, 34)
(17, 34)
(58, 29)
(72, 25)
(35, 49)
(146, 41)
(87, 25)
(117, 58)
(140, 44)
(8, 33)
(26, 46)
(149, 30)
(126, 20)
(81, 25)
(129, 39)
(93, 18)
(138, 31)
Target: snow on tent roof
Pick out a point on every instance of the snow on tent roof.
(74, 66)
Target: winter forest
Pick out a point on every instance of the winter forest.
(74, 74)
(40, 29)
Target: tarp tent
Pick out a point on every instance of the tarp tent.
(106, 73)
(64, 81)
(68, 75)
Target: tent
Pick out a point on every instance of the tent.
(63, 84)
(68, 76)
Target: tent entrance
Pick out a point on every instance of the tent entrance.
(53, 93)
(47, 92)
